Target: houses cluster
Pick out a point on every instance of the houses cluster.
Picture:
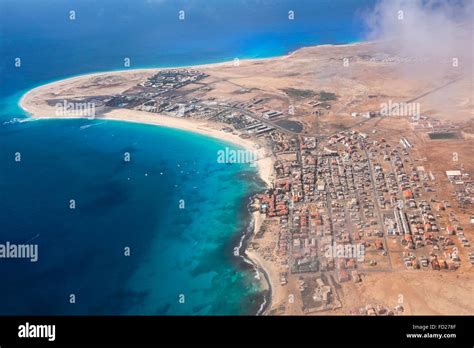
(356, 191)
(377, 310)
(330, 199)
(318, 294)
(433, 125)
(241, 121)
(463, 187)
(172, 79)
(471, 257)
(257, 106)
(161, 93)
(336, 201)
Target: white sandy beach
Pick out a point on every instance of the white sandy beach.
(116, 82)
(264, 162)
(264, 165)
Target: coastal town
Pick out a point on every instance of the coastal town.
(263, 172)
(344, 204)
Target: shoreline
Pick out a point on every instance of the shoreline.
(265, 173)
(203, 65)
(264, 170)
(252, 226)
(265, 162)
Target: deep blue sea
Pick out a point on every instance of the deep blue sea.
(173, 251)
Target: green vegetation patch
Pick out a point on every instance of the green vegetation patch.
(299, 93)
(327, 96)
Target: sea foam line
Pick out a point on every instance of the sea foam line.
(242, 243)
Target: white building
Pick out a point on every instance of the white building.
(453, 174)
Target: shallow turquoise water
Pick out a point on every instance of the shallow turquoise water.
(173, 251)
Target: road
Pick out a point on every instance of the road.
(377, 208)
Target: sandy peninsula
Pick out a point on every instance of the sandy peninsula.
(284, 108)
(31, 103)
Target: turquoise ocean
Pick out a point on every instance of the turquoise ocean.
(174, 253)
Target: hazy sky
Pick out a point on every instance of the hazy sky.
(430, 32)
